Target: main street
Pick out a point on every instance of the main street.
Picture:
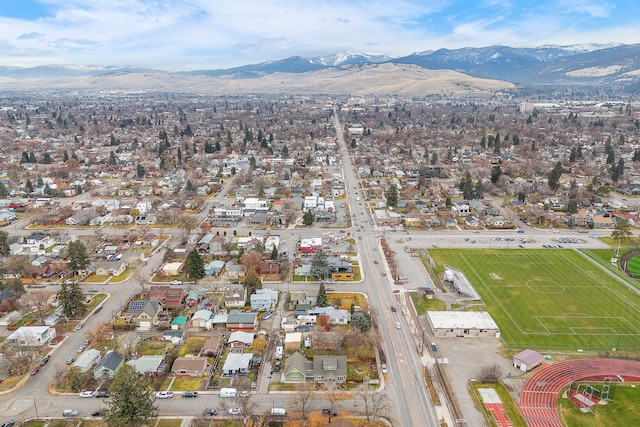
(405, 384)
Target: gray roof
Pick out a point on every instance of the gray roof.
(110, 361)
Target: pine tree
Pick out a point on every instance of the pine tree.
(194, 266)
(392, 196)
(321, 298)
(319, 264)
(71, 299)
(131, 400)
(78, 257)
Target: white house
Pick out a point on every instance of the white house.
(237, 363)
(143, 206)
(32, 336)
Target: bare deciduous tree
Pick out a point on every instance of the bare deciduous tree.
(304, 402)
(37, 301)
(491, 373)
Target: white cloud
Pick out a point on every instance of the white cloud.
(186, 34)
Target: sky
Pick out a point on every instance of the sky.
(177, 35)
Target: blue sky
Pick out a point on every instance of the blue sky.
(209, 34)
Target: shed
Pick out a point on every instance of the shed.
(292, 340)
(526, 360)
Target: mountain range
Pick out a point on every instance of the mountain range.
(615, 66)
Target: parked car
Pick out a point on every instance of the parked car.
(86, 394)
(210, 412)
(332, 412)
(70, 413)
(102, 393)
(398, 325)
(384, 368)
(244, 393)
(164, 395)
(95, 413)
(190, 394)
(36, 370)
(44, 361)
(80, 326)
(70, 360)
(235, 410)
(81, 348)
(8, 424)
(253, 385)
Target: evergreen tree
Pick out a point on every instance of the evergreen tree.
(131, 400)
(29, 186)
(71, 299)
(274, 253)
(284, 153)
(573, 155)
(321, 298)
(392, 196)
(434, 158)
(361, 321)
(319, 264)
(496, 172)
(636, 155)
(466, 186)
(189, 187)
(3, 190)
(78, 257)
(46, 159)
(496, 144)
(194, 266)
(140, 171)
(307, 218)
(4, 244)
(554, 177)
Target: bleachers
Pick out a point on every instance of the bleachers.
(540, 392)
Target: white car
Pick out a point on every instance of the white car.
(384, 368)
(235, 410)
(398, 325)
(164, 395)
(86, 394)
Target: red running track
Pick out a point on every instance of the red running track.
(540, 393)
(499, 414)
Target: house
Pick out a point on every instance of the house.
(269, 268)
(167, 295)
(172, 268)
(190, 366)
(237, 364)
(205, 242)
(31, 336)
(148, 365)
(297, 369)
(143, 206)
(310, 245)
(176, 337)
(235, 298)
(145, 313)
(214, 268)
(87, 360)
(200, 318)
(263, 299)
(460, 208)
(194, 298)
(336, 316)
(110, 268)
(108, 365)
(240, 339)
(234, 271)
(330, 368)
(237, 320)
(526, 360)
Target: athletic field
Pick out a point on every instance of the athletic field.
(549, 297)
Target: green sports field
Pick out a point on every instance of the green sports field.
(549, 298)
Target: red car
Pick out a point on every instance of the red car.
(36, 370)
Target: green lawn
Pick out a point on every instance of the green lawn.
(549, 298)
(633, 265)
(622, 411)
